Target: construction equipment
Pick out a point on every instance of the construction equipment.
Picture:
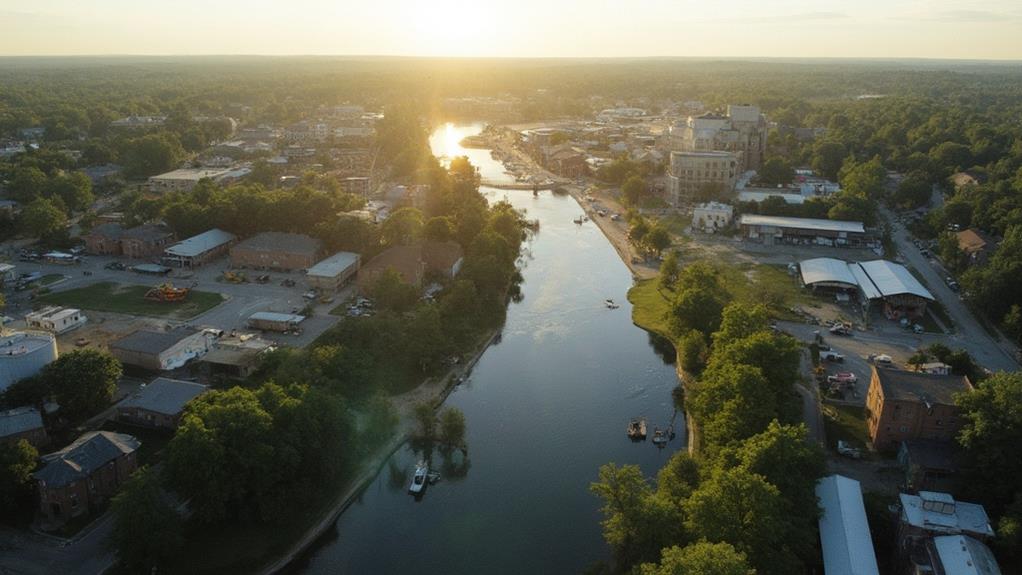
(167, 293)
(235, 277)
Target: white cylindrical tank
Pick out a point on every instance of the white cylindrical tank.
(23, 355)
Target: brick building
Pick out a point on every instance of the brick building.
(23, 423)
(142, 242)
(904, 405)
(83, 476)
(160, 403)
(276, 250)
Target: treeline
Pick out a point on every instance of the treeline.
(747, 500)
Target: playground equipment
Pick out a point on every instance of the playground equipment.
(167, 292)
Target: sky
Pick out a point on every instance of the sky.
(958, 29)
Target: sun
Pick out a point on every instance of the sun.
(453, 27)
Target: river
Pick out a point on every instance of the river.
(545, 407)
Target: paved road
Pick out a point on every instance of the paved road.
(24, 553)
(988, 352)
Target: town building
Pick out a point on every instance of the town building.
(185, 179)
(930, 465)
(236, 355)
(956, 555)
(893, 287)
(162, 350)
(276, 250)
(333, 272)
(24, 354)
(55, 319)
(104, 239)
(690, 172)
(931, 516)
(905, 405)
(844, 529)
(274, 321)
(805, 231)
(160, 403)
(83, 476)
(743, 131)
(413, 263)
(145, 241)
(976, 246)
(199, 250)
(712, 216)
(23, 423)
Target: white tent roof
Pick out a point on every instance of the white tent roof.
(803, 223)
(844, 531)
(820, 270)
(890, 279)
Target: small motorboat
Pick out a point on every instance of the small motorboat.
(610, 304)
(420, 478)
(659, 437)
(637, 429)
(579, 220)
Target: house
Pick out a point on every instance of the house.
(83, 476)
(24, 354)
(104, 239)
(930, 465)
(904, 405)
(23, 423)
(236, 355)
(199, 250)
(162, 350)
(844, 530)
(931, 516)
(55, 319)
(975, 245)
(102, 173)
(276, 250)
(712, 216)
(8, 275)
(333, 272)
(413, 263)
(160, 403)
(962, 180)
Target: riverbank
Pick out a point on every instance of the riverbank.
(433, 391)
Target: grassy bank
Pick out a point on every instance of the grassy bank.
(130, 300)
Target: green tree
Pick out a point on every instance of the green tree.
(152, 154)
(425, 419)
(732, 402)
(44, 220)
(27, 184)
(740, 320)
(914, 190)
(702, 558)
(438, 229)
(776, 171)
(741, 508)
(633, 190)
(147, 529)
(656, 241)
(827, 158)
(74, 189)
(83, 382)
(990, 434)
(452, 426)
(693, 351)
(670, 269)
(403, 227)
(391, 292)
(17, 461)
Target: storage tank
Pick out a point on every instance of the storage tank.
(24, 354)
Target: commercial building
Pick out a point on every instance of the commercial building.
(24, 354)
(276, 250)
(844, 530)
(905, 405)
(160, 403)
(712, 216)
(162, 350)
(893, 287)
(104, 239)
(743, 131)
(273, 321)
(199, 250)
(55, 319)
(804, 231)
(141, 242)
(690, 172)
(83, 476)
(185, 179)
(23, 423)
(333, 272)
(236, 355)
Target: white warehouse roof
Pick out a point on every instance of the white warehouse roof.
(334, 265)
(201, 243)
(844, 530)
(890, 279)
(963, 555)
(803, 223)
(826, 270)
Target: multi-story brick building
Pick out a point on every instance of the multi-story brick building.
(83, 476)
(275, 250)
(689, 172)
(903, 405)
(743, 131)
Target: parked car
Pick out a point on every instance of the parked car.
(881, 359)
(847, 450)
(843, 377)
(840, 329)
(832, 356)
(115, 266)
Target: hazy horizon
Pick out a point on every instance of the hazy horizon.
(897, 29)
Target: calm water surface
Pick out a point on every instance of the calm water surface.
(545, 407)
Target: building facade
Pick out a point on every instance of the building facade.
(743, 131)
(690, 172)
(906, 405)
(161, 351)
(712, 216)
(275, 250)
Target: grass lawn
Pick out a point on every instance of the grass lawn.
(844, 422)
(129, 299)
(650, 307)
(50, 279)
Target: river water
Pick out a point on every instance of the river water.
(545, 407)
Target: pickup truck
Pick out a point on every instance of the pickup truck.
(832, 356)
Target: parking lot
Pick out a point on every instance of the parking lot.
(241, 300)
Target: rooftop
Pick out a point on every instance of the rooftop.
(201, 243)
(971, 241)
(826, 270)
(153, 342)
(932, 454)
(891, 279)
(19, 421)
(280, 242)
(903, 385)
(146, 232)
(939, 512)
(164, 395)
(964, 555)
(844, 531)
(191, 174)
(87, 454)
(20, 343)
(275, 316)
(53, 313)
(803, 223)
(334, 265)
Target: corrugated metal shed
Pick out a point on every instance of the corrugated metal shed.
(826, 270)
(201, 243)
(844, 530)
(892, 279)
(803, 223)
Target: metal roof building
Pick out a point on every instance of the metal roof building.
(844, 530)
(964, 555)
(803, 223)
(164, 395)
(334, 271)
(199, 249)
(891, 279)
(827, 272)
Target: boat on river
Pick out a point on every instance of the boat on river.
(637, 429)
(610, 304)
(420, 478)
(659, 437)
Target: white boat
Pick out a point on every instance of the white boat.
(420, 478)
(610, 304)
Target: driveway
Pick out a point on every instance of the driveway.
(970, 335)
